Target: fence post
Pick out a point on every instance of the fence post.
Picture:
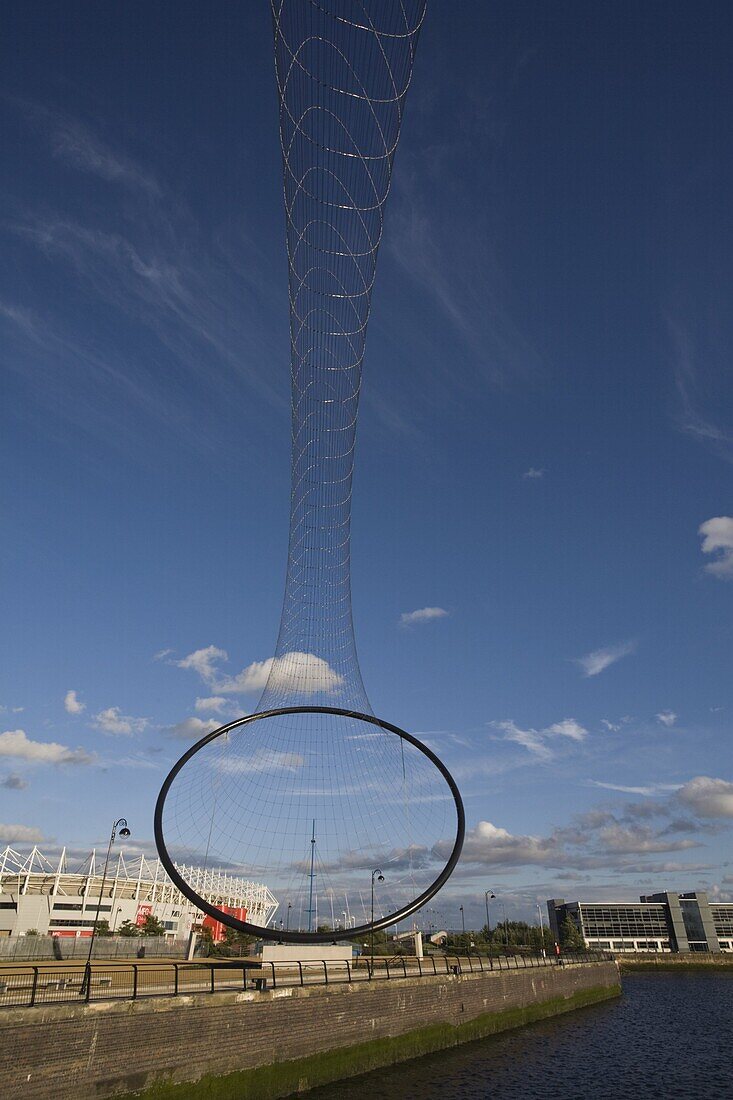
(325, 971)
(175, 979)
(348, 972)
(34, 987)
(300, 970)
(89, 983)
(274, 979)
(404, 966)
(134, 981)
(211, 972)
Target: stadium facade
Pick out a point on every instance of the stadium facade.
(665, 922)
(49, 897)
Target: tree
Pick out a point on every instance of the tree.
(127, 928)
(103, 928)
(32, 932)
(234, 943)
(151, 926)
(571, 937)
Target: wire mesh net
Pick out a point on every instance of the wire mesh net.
(313, 804)
(343, 70)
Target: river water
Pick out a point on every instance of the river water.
(669, 1035)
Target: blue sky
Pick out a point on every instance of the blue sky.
(546, 438)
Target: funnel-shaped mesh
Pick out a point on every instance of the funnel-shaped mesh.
(343, 69)
(324, 806)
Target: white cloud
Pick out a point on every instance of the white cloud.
(193, 728)
(72, 705)
(493, 847)
(533, 473)
(422, 615)
(302, 672)
(162, 654)
(16, 744)
(204, 662)
(535, 740)
(618, 838)
(667, 718)
(14, 782)
(20, 834)
(708, 797)
(568, 728)
(215, 704)
(600, 659)
(717, 538)
(113, 721)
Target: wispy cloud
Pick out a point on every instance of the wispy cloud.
(139, 249)
(717, 538)
(535, 741)
(667, 718)
(261, 760)
(647, 790)
(78, 147)
(600, 659)
(422, 615)
(533, 474)
(692, 420)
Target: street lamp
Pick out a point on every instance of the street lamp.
(117, 914)
(542, 930)
(287, 926)
(380, 878)
(86, 984)
(488, 894)
(463, 920)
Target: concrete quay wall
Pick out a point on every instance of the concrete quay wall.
(262, 1045)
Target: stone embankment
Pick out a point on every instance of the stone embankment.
(259, 1045)
(692, 961)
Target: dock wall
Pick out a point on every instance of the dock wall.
(259, 1045)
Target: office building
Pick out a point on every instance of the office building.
(657, 922)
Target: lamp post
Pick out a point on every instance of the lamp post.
(380, 878)
(488, 894)
(463, 920)
(542, 930)
(117, 914)
(86, 984)
(287, 926)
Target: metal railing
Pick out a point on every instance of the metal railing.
(23, 986)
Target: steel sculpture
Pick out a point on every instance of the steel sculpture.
(312, 788)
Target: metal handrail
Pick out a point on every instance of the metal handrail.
(23, 986)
